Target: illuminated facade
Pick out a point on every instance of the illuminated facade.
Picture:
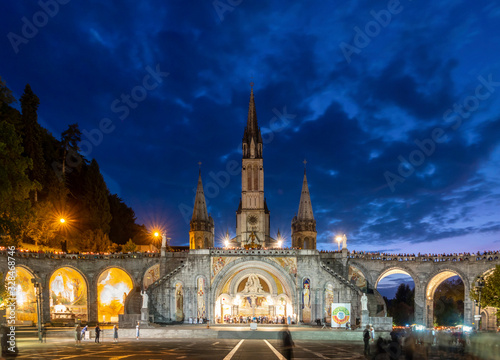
(251, 277)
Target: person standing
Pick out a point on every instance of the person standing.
(366, 340)
(115, 333)
(97, 333)
(288, 344)
(78, 334)
(137, 331)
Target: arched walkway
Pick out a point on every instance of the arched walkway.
(68, 295)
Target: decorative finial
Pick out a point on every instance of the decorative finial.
(251, 81)
(199, 167)
(305, 164)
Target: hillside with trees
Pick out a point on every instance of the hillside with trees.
(44, 179)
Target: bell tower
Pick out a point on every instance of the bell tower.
(252, 216)
(303, 224)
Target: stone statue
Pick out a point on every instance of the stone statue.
(364, 302)
(164, 240)
(344, 242)
(145, 298)
(253, 285)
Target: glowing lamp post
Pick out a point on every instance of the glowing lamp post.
(38, 293)
(339, 240)
(479, 286)
(62, 220)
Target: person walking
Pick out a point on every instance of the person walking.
(115, 333)
(366, 340)
(288, 344)
(137, 328)
(97, 333)
(78, 334)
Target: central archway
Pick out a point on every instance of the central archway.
(252, 289)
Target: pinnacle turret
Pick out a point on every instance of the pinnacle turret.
(201, 227)
(252, 138)
(305, 206)
(200, 212)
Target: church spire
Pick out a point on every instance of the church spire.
(303, 224)
(252, 138)
(201, 227)
(200, 206)
(305, 207)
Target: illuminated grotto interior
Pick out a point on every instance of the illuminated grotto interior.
(113, 286)
(68, 295)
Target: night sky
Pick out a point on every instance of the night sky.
(395, 106)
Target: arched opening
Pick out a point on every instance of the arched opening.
(26, 303)
(397, 288)
(68, 296)
(255, 290)
(445, 296)
(113, 286)
(152, 274)
(489, 320)
(306, 243)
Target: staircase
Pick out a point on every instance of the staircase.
(340, 278)
(165, 278)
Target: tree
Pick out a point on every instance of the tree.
(95, 199)
(490, 293)
(449, 302)
(94, 241)
(32, 138)
(122, 224)
(15, 185)
(69, 141)
(401, 308)
(130, 246)
(5, 94)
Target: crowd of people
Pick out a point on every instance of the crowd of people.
(279, 319)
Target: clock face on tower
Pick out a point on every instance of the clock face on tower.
(253, 220)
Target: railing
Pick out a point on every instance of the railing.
(426, 258)
(34, 255)
(254, 252)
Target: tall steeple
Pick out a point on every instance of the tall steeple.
(201, 227)
(303, 224)
(305, 207)
(252, 216)
(252, 138)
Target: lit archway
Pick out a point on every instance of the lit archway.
(437, 307)
(26, 304)
(68, 295)
(113, 286)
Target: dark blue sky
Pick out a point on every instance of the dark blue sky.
(357, 88)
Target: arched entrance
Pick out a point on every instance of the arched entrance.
(68, 295)
(113, 286)
(254, 290)
(26, 302)
(433, 307)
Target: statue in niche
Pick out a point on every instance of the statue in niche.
(364, 302)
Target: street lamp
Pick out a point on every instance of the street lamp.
(38, 293)
(479, 286)
(339, 240)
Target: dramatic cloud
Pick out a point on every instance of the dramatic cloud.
(401, 136)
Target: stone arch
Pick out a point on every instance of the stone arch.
(306, 243)
(68, 307)
(398, 269)
(26, 310)
(111, 294)
(240, 264)
(151, 274)
(438, 276)
(264, 275)
(435, 279)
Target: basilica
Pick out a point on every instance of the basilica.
(253, 275)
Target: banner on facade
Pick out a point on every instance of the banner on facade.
(341, 314)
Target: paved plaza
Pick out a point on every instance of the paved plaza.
(227, 349)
